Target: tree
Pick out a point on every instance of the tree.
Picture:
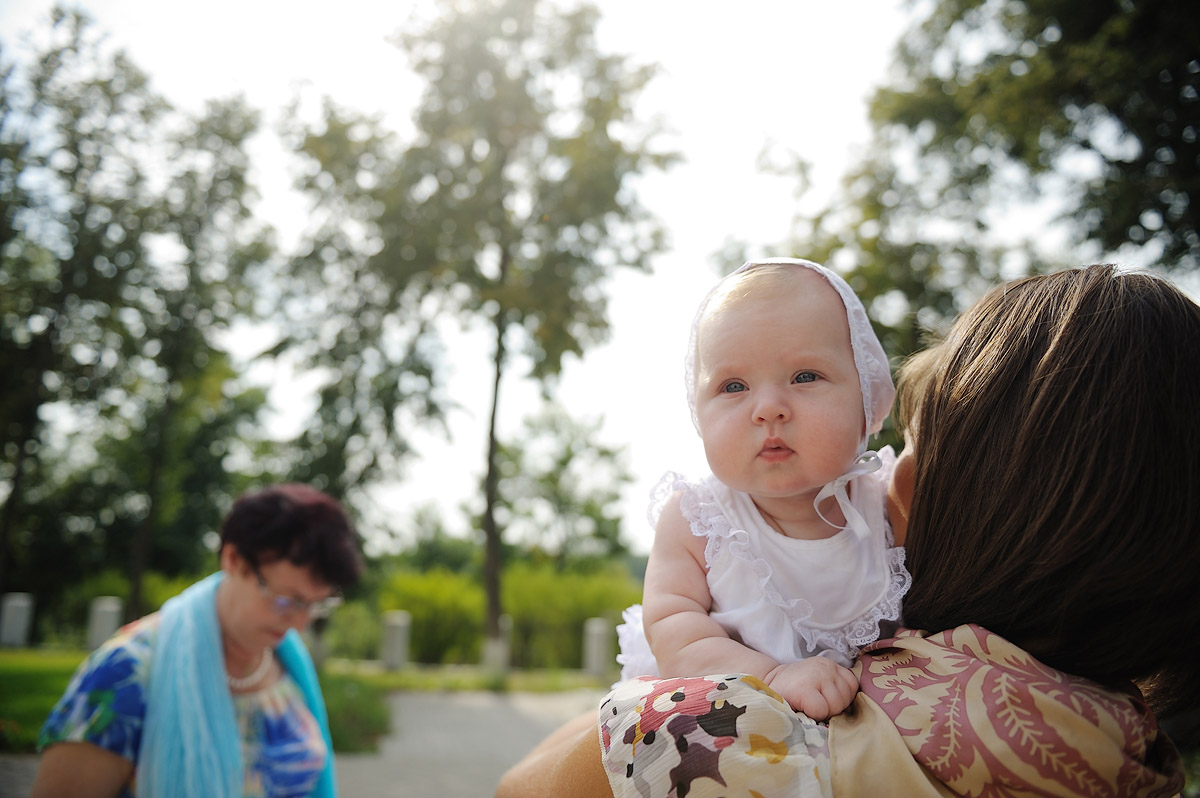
(513, 205)
(128, 235)
(73, 210)
(346, 318)
(194, 291)
(90, 497)
(1017, 138)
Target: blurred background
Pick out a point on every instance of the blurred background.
(440, 259)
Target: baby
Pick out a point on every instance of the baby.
(781, 564)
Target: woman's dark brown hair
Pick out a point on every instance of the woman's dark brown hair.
(1057, 471)
(296, 523)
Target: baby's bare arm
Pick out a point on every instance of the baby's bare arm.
(685, 640)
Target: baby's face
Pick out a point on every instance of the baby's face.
(778, 396)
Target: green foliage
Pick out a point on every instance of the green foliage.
(549, 608)
(446, 610)
(517, 191)
(354, 632)
(435, 548)
(1103, 94)
(72, 611)
(66, 620)
(159, 587)
(1018, 138)
(127, 245)
(358, 712)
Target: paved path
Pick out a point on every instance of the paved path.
(456, 744)
(451, 745)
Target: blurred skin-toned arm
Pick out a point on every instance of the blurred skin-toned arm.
(567, 763)
(686, 641)
(81, 770)
(900, 491)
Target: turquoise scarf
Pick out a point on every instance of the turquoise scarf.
(190, 742)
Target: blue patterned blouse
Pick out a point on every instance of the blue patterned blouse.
(105, 704)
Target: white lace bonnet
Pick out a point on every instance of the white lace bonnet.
(874, 375)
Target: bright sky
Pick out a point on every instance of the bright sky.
(793, 73)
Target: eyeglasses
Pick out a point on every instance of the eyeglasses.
(286, 605)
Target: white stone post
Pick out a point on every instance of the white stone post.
(397, 630)
(597, 647)
(104, 618)
(16, 616)
(497, 651)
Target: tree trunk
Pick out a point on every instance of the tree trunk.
(143, 541)
(491, 482)
(9, 515)
(29, 375)
(491, 562)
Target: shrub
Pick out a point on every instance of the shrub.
(447, 612)
(65, 624)
(359, 713)
(549, 608)
(353, 632)
(157, 588)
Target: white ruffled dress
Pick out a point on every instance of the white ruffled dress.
(786, 598)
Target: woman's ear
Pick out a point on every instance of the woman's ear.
(231, 561)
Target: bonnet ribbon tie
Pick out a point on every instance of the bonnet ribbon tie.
(867, 463)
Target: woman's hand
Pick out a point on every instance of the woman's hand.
(818, 687)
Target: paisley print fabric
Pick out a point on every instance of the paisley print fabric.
(959, 713)
(966, 713)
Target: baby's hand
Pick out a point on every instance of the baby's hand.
(818, 687)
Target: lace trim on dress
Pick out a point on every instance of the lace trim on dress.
(699, 506)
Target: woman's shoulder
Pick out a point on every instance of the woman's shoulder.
(136, 637)
(123, 657)
(105, 701)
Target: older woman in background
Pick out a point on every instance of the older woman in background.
(215, 694)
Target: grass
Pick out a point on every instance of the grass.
(31, 681)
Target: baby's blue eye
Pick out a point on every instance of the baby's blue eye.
(733, 387)
(805, 376)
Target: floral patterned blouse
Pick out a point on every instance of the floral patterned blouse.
(105, 704)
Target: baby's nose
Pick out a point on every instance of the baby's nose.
(771, 407)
